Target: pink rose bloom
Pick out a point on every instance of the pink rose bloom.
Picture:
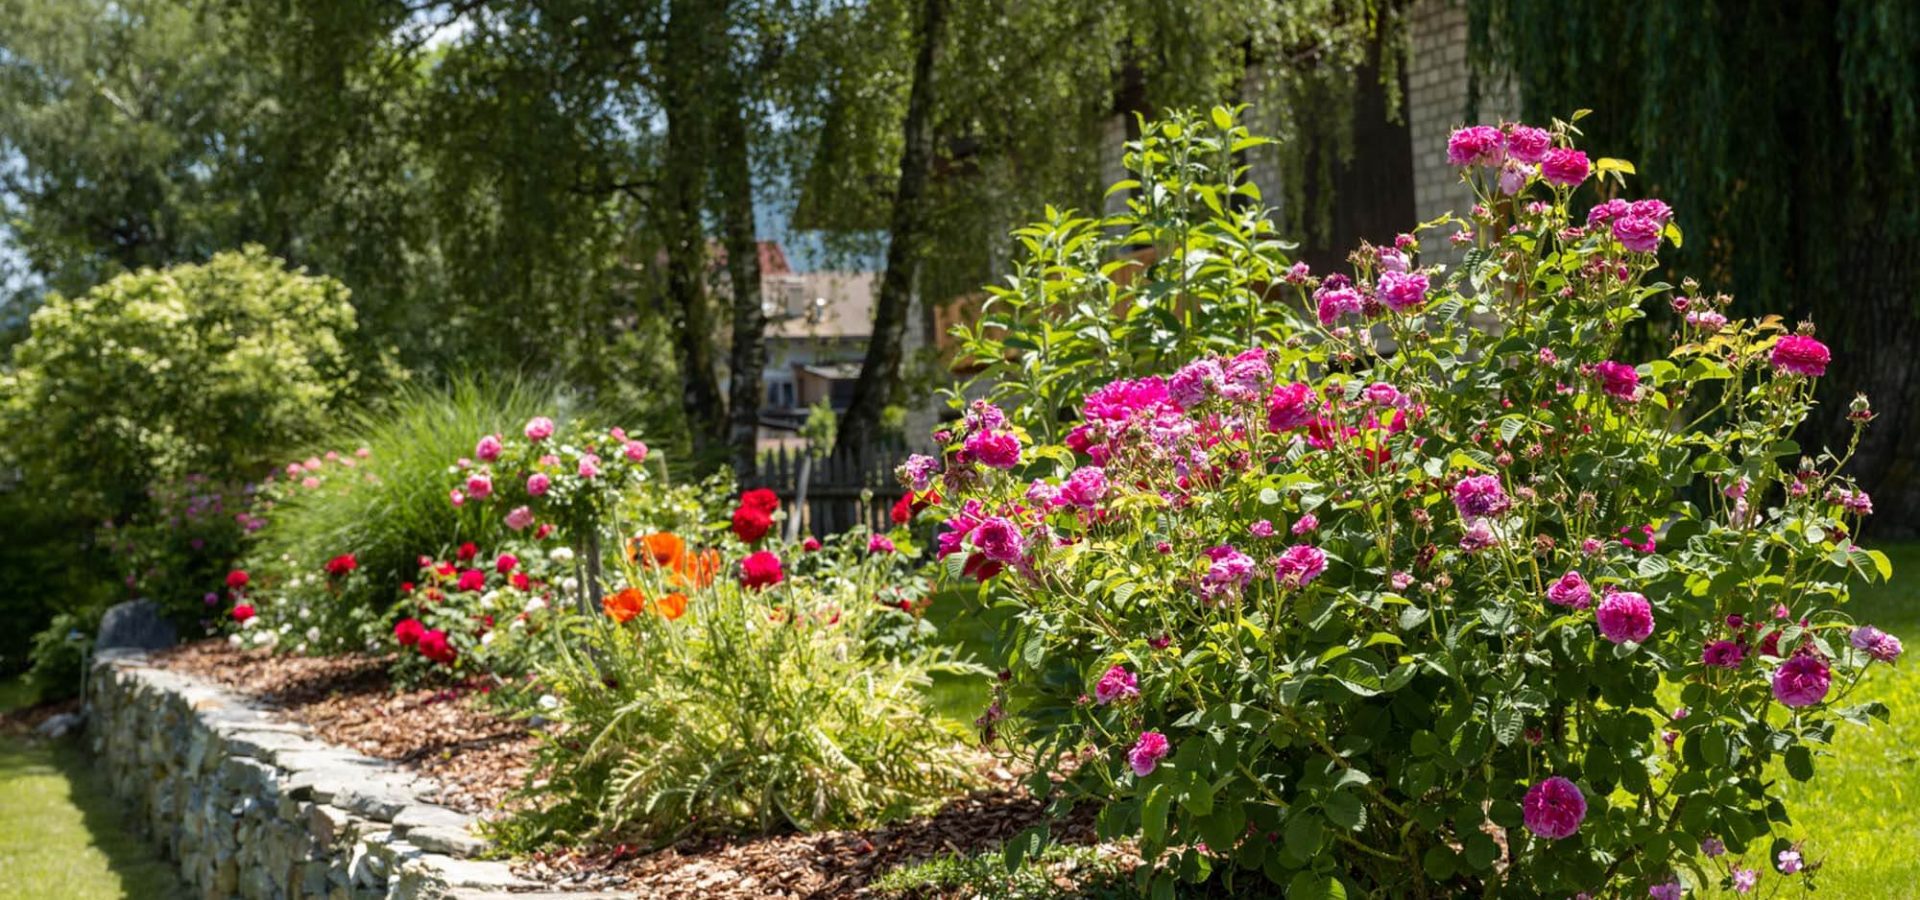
(1228, 570)
(1000, 540)
(995, 449)
(1637, 233)
(458, 499)
(1656, 210)
(1480, 495)
(1043, 495)
(1306, 523)
(1477, 145)
(1877, 644)
(1403, 291)
(1335, 300)
(310, 482)
(1381, 393)
(1116, 684)
(1289, 406)
(1085, 488)
(1801, 681)
(1195, 381)
(879, 543)
(1570, 591)
(1707, 320)
(1246, 376)
(1554, 808)
(1666, 890)
(479, 486)
(538, 484)
(1624, 616)
(519, 518)
(1392, 260)
(505, 563)
(1605, 213)
(1147, 752)
(1564, 167)
(635, 451)
(471, 580)
(1513, 177)
(488, 449)
(1528, 144)
(1722, 654)
(313, 464)
(1121, 400)
(1619, 380)
(539, 428)
(918, 472)
(1744, 879)
(1300, 565)
(1478, 536)
(1262, 528)
(1801, 355)
(589, 466)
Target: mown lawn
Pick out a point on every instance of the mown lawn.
(61, 833)
(1860, 815)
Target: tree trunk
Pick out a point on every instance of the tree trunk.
(880, 372)
(734, 176)
(683, 181)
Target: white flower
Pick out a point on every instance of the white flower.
(313, 633)
(535, 604)
(267, 638)
(234, 639)
(306, 613)
(250, 623)
(561, 555)
(570, 585)
(549, 701)
(486, 639)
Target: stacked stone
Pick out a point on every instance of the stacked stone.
(256, 808)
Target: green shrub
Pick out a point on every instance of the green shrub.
(213, 369)
(1398, 581)
(1056, 873)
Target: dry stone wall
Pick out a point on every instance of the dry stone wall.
(252, 807)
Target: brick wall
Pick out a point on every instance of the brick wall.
(1436, 104)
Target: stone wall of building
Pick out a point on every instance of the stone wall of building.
(252, 807)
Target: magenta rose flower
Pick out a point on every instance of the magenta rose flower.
(1195, 381)
(1147, 752)
(994, 449)
(1228, 570)
(1477, 145)
(1801, 681)
(1300, 565)
(1480, 495)
(1528, 144)
(1554, 808)
(1289, 406)
(1619, 380)
(1335, 300)
(1801, 355)
(479, 486)
(1085, 488)
(1625, 616)
(539, 428)
(1564, 167)
(1878, 644)
(1639, 234)
(1116, 684)
(538, 484)
(1723, 654)
(1403, 291)
(1000, 540)
(519, 518)
(488, 449)
(1570, 591)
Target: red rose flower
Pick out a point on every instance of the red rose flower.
(760, 570)
(902, 511)
(810, 544)
(521, 581)
(242, 612)
(342, 564)
(466, 551)
(237, 579)
(761, 499)
(408, 632)
(406, 587)
(751, 523)
(472, 580)
(444, 570)
(506, 563)
(433, 645)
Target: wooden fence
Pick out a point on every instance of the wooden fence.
(851, 488)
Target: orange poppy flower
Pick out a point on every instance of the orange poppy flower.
(673, 606)
(623, 605)
(662, 548)
(697, 570)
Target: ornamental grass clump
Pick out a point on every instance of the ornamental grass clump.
(1407, 580)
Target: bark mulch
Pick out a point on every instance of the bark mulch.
(481, 759)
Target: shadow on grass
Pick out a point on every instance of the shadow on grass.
(64, 834)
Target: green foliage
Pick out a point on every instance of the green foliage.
(985, 876)
(45, 565)
(60, 654)
(1332, 560)
(386, 508)
(756, 710)
(208, 369)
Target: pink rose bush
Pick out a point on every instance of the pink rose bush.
(1525, 537)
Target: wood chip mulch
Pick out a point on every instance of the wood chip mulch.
(481, 759)
(477, 757)
(812, 866)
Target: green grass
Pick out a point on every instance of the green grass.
(1861, 812)
(61, 832)
(1061, 872)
